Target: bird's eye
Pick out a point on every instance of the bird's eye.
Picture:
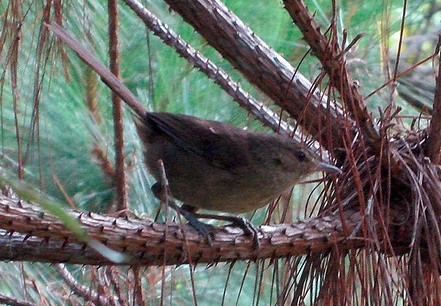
(301, 155)
(277, 161)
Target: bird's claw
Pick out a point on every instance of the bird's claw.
(248, 228)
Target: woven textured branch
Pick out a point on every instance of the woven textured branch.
(29, 233)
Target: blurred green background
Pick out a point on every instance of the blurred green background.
(60, 144)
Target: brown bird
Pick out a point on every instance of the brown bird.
(220, 167)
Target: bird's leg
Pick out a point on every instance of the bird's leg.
(241, 222)
(162, 190)
(206, 230)
(188, 212)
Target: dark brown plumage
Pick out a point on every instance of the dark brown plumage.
(219, 167)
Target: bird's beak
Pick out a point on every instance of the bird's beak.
(328, 168)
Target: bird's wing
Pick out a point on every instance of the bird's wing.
(211, 140)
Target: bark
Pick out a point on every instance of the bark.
(264, 68)
(31, 234)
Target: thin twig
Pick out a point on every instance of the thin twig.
(5, 300)
(329, 52)
(118, 125)
(108, 77)
(83, 291)
(433, 144)
(137, 286)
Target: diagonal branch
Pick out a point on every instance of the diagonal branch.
(81, 290)
(330, 55)
(263, 67)
(211, 70)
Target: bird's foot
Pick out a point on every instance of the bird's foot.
(206, 230)
(241, 222)
(187, 212)
(248, 228)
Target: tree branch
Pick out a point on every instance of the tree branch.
(30, 234)
(210, 69)
(264, 68)
(331, 57)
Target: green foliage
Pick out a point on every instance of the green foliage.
(61, 145)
